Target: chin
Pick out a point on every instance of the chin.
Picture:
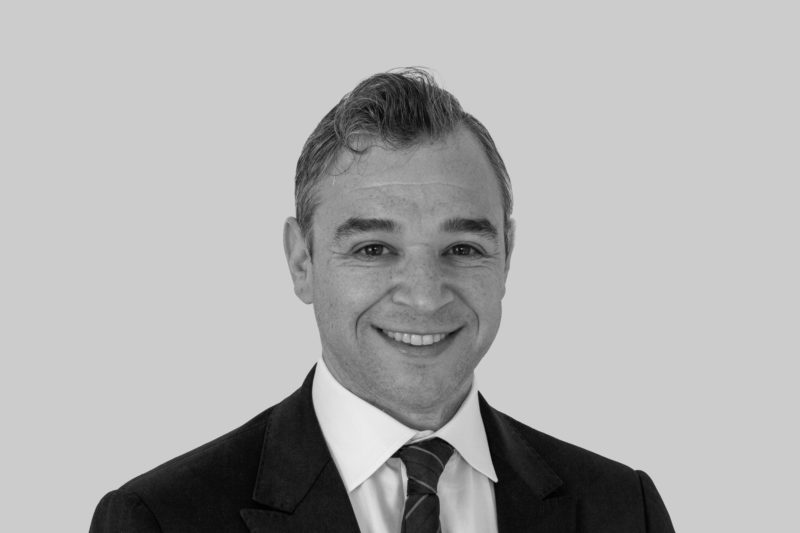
(431, 392)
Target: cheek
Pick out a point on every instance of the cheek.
(484, 291)
(344, 297)
(484, 297)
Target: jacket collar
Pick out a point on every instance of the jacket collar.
(297, 480)
(527, 492)
(300, 489)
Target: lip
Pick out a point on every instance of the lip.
(412, 331)
(431, 350)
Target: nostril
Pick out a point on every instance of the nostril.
(425, 299)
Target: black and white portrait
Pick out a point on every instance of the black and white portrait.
(412, 268)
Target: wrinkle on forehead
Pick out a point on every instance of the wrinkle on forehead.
(414, 184)
(419, 192)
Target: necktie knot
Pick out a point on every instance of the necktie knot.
(424, 462)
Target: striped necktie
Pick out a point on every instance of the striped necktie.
(424, 464)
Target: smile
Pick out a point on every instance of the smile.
(415, 339)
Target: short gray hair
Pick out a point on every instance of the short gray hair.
(398, 108)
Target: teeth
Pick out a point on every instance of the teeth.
(415, 339)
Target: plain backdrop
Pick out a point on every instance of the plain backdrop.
(147, 154)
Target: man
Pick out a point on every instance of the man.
(402, 243)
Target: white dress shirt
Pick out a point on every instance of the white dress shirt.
(362, 439)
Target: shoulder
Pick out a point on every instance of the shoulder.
(603, 487)
(193, 491)
(212, 461)
(206, 488)
(571, 462)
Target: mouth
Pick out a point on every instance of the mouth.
(415, 339)
(419, 344)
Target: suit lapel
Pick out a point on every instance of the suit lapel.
(526, 494)
(297, 481)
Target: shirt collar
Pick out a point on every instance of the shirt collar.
(361, 437)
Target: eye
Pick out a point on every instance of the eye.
(372, 250)
(464, 250)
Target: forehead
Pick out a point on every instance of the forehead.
(433, 179)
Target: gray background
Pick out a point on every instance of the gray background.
(148, 152)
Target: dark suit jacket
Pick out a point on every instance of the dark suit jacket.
(275, 474)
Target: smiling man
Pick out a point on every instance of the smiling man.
(402, 243)
(408, 271)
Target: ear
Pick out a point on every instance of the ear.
(510, 231)
(299, 259)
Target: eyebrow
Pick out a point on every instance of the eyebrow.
(355, 225)
(478, 226)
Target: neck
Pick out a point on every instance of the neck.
(431, 418)
(423, 412)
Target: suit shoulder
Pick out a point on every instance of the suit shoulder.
(201, 490)
(197, 491)
(572, 462)
(610, 496)
(230, 454)
(123, 512)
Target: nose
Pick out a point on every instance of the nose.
(421, 282)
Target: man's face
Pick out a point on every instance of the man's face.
(408, 272)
